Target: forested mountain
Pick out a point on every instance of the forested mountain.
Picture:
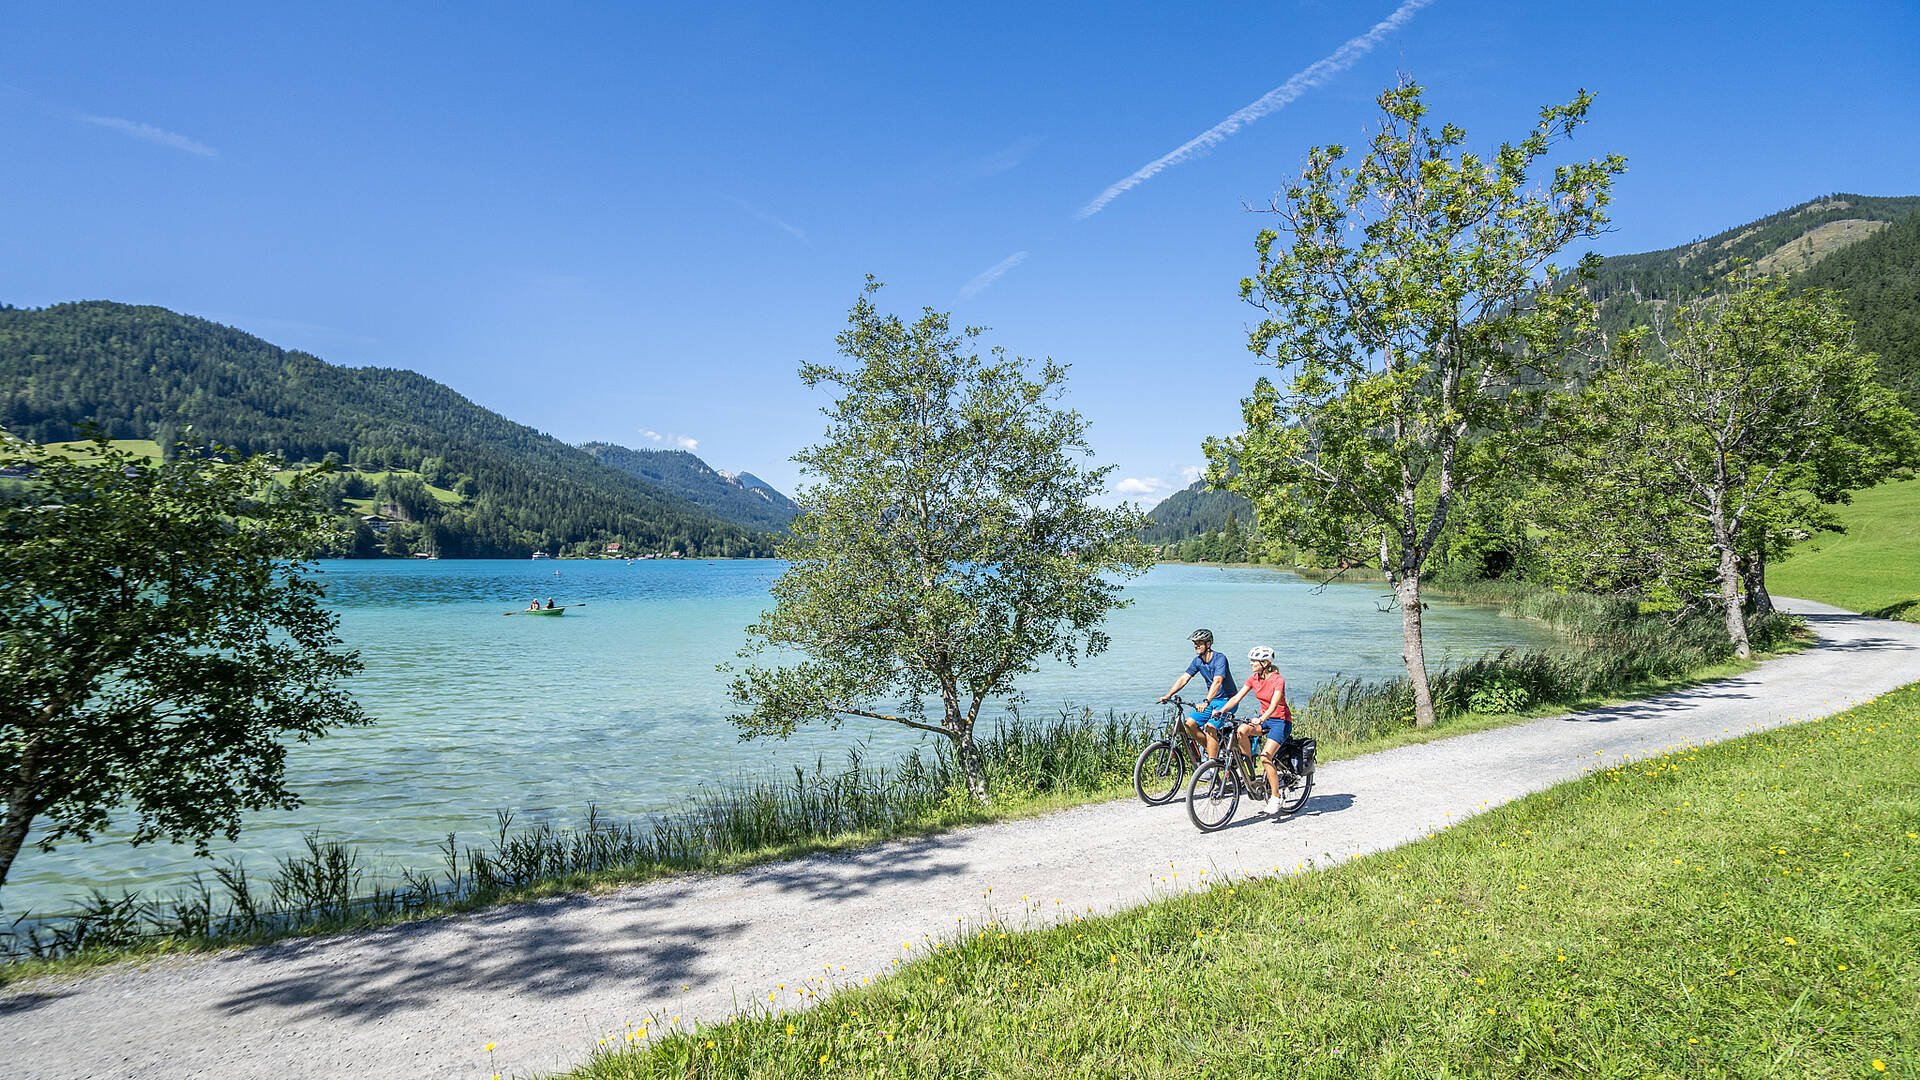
(146, 372)
(1195, 511)
(743, 500)
(1878, 280)
(1867, 248)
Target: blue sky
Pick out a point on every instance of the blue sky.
(633, 223)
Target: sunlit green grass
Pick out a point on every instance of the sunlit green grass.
(1873, 567)
(1750, 909)
(83, 450)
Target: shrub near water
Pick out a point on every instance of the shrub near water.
(1741, 910)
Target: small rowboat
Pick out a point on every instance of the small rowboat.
(561, 610)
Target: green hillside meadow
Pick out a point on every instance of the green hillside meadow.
(1873, 567)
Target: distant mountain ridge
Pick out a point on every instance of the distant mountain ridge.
(1195, 511)
(1865, 247)
(741, 498)
(146, 373)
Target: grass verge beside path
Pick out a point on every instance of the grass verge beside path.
(1873, 567)
(1741, 910)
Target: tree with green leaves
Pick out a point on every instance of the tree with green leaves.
(1696, 456)
(1415, 306)
(161, 637)
(946, 544)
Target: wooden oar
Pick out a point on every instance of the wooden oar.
(524, 610)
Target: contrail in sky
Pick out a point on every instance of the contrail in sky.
(767, 216)
(1308, 78)
(148, 133)
(990, 275)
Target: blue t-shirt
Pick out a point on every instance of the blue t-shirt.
(1215, 668)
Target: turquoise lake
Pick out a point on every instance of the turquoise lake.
(617, 703)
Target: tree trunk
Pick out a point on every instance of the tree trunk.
(959, 725)
(1413, 653)
(1730, 586)
(1753, 574)
(13, 828)
(972, 765)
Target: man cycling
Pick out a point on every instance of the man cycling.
(1214, 715)
(1275, 720)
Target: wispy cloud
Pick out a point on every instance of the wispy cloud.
(670, 439)
(1140, 486)
(1193, 472)
(148, 133)
(762, 214)
(990, 275)
(1005, 159)
(1306, 79)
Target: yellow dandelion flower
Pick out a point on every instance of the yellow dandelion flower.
(1879, 1066)
(488, 1048)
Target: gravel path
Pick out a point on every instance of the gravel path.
(543, 980)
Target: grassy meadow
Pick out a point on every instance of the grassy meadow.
(1873, 567)
(1740, 910)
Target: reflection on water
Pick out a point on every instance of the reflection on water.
(618, 703)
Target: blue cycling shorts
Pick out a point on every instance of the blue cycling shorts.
(1210, 713)
(1278, 731)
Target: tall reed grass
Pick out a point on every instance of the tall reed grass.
(328, 886)
(1612, 649)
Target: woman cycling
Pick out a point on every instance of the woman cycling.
(1275, 720)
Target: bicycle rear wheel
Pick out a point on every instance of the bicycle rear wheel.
(1157, 772)
(1213, 796)
(1293, 791)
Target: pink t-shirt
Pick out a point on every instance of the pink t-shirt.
(1267, 687)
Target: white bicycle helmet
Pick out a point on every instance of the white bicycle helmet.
(1260, 652)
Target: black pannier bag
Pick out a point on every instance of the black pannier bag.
(1298, 753)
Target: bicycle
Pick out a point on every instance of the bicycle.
(1217, 785)
(1166, 758)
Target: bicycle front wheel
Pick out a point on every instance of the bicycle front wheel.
(1157, 772)
(1213, 796)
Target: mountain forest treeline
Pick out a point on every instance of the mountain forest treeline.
(440, 473)
(743, 498)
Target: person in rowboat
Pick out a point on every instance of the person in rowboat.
(549, 603)
(533, 604)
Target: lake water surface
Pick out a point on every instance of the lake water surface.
(617, 703)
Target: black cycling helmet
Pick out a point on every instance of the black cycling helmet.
(1202, 634)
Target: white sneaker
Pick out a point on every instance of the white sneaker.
(1273, 804)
